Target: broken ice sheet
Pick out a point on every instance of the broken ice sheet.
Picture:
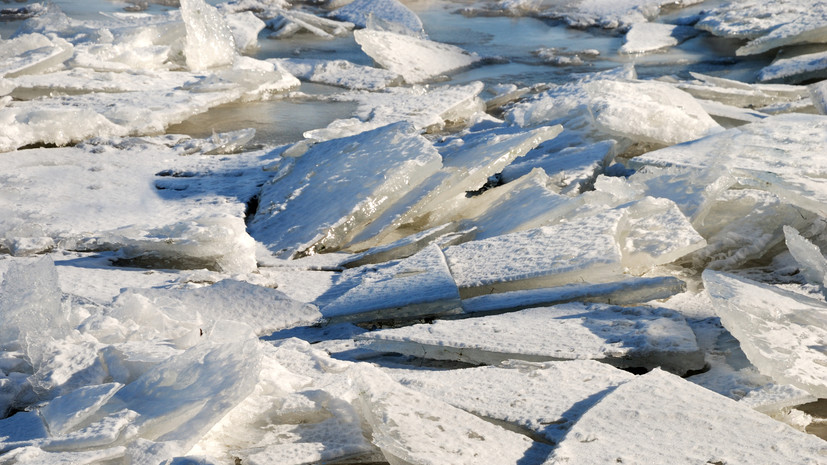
(648, 37)
(286, 23)
(768, 25)
(781, 332)
(545, 398)
(619, 107)
(607, 13)
(416, 60)
(418, 286)
(338, 186)
(68, 411)
(641, 337)
(661, 418)
(31, 54)
(800, 68)
(768, 98)
(412, 428)
(782, 154)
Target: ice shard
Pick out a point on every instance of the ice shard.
(209, 42)
(780, 331)
(385, 14)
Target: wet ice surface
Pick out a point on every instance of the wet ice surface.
(412, 232)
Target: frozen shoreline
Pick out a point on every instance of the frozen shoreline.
(500, 232)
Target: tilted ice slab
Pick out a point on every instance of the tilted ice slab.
(641, 111)
(288, 22)
(648, 37)
(467, 165)
(783, 154)
(625, 292)
(412, 428)
(338, 73)
(607, 13)
(661, 418)
(390, 15)
(31, 54)
(796, 69)
(416, 60)
(418, 286)
(545, 398)
(780, 332)
(769, 25)
(338, 186)
(622, 336)
(429, 109)
(209, 42)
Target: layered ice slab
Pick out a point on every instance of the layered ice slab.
(412, 428)
(651, 37)
(768, 25)
(31, 54)
(560, 392)
(335, 188)
(796, 69)
(781, 154)
(640, 337)
(661, 418)
(639, 111)
(589, 248)
(766, 98)
(606, 13)
(416, 60)
(417, 287)
(781, 332)
(339, 73)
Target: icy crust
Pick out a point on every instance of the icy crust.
(411, 428)
(338, 73)
(768, 25)
(416, 287)
(560, 391)
(639, 111)
(621, 336)
(778, 330)
(416, 60)
(662, 408)
(390, 15)
(374, 170)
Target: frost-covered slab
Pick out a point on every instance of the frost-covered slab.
(340, 185)
(416, 60)
(796, 69)
(769, 25)
(544, 398)
(780, 331)
(584, 249)
(782, 153)
(429, 109)
(412, 428)
(339, 73)
(661, 418)
(626, 292)
(622, 336)
(648, 37)
(642, 111)
(31, 54)
(418, 286)
(263, 309)
(389, 15)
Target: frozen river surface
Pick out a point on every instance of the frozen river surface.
(413, 232)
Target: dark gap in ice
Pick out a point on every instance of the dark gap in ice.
(154, 261)
(818, 410)
(250, 208)
(41, 145)
(493, 181)
(635, 370)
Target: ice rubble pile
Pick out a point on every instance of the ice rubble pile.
(516, 253)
